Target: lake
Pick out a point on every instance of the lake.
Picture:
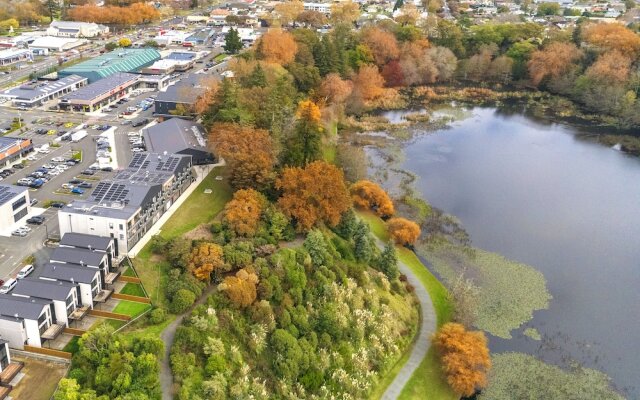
(536, 193)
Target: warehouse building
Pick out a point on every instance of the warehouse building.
(14, 204)
(179, 136)
(36, 93)
(100, 93)
(105, 65)
(12, 149)
(128, 205)
(12, 56)
(48, 44)
(74, 29)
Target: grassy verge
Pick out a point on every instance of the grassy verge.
(198, 208)
(73, 346)
(133, 289)
(428, 381)
(131, 308)
(220, 57)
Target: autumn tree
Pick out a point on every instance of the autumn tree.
(370, 196)
(204, 260)
(368, 83)
(403, 231)
(247, 151)
(206, 98)
(383, 45)
(241, 288)
(288, 11)
(242, 213)
(312, 18)
(552, 61)
(465, 357)
(334, 89)
(614, 36)
(313, 194)
(610, 67)
(392, 74)
(277, 46)
(345, 12)
(124, 42)
(304, 145)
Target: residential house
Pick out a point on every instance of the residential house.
(63, 295)
(26, 321)
(91, 287)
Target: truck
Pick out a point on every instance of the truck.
(77, 136)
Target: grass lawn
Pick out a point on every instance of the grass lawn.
(133, 289)
(129, 272)
(72, 346)
(220, 57)
(197, 209)
(427, 382)
(131, 308)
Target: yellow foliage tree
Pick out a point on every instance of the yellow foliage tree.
(243, 212)
(277, 46)
(241, 288)
(204, 260)
(465, 358)
(309, 111)
(124, 42)
(403, 231)
(370, 196)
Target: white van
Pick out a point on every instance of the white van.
(8, 286)
(25, 271)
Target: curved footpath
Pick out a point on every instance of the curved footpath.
(423, 339)
(167, 336)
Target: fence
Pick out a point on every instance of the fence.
(48, 352)
(138, 299)
(110, 315)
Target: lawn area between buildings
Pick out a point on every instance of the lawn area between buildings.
(428, 381)
(131, 308)
(197, 209)
(133, 289)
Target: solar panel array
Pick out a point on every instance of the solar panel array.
(168, 165)
(139, 160)
(106, 191)
(6, 194)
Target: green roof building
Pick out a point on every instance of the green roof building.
(120, 60)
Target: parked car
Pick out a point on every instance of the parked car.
(140, 122)
(75, 181)
(106, 169)
(34, 202)
(85, 185)
(77, 191)
(19, 232)
(11, 283)
(136, 150)
(24, 181)
(58, 159)
(25, 271)
(57, 204)
(88, 172)
(18, 166)
(67, 186)
(35, 220)
(49, 166)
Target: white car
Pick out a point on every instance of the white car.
(8, 286)
(43, 151)
(133, 134)
(49, 166)
(136, 150)
(134, 139)
(67, 186)
(24, 229)
(58, 159)
(62, 167)
(54, 172)
(32, 158)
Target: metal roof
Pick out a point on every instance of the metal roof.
(36, 90)
(129, 60)
(84, 241)
(77, 256)
(9, 192)
(186, 90)
(68, 272)
(43, 289)
(20, 307)
(101, 87)
(175, 135)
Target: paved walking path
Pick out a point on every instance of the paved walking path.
(167, 336)
(423, 341)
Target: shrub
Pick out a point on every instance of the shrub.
(182, 300)
(158, 315)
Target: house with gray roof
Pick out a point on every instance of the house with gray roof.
(63, 295)
(26, 321)
(179, 136)
(102, 244)
(126, 206)
(183, 94)
(89, 281)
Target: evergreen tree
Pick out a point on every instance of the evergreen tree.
(326, 56)
(305, 143)
(53, 6)
(362, 243)
(388, 262)
(257, 78)
(398, 5)
(232, 42)
(227, 106)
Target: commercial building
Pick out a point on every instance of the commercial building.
(128, 205)
(26, 321)
(55, 44)
(14, 204)
(167, 66)
(63, 296)
(36, 93)
(324, 8)
(179, 136)
(99, 93)
(129, 60)
(184, 93)
(73, 29)
(168, 38)
(12, 149)
(12, 56)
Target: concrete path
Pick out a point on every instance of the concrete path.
(423, 340)
(167, 336)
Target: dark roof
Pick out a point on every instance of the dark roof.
(10, 306)
(68, 272)
(3, 342)
(186, 90)
(9, 192)
(99, 88)
(85, 241)
(175, 135)
(42, 289)
(77, 256)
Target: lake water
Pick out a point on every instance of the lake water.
(535, 193)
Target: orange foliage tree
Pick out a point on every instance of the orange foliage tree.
(383, 45)
(241, 288)
(334, 89)
(403, 231)
(612, 37)
(313, 194)
(248, 152)
(136, 13)
(277, 46)
(612, 67)
(243, 212)
(368, 83)
(465, 358)
(370, 196)
(345, 12)
(205, 259)
(204, 101)
(552, 61)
